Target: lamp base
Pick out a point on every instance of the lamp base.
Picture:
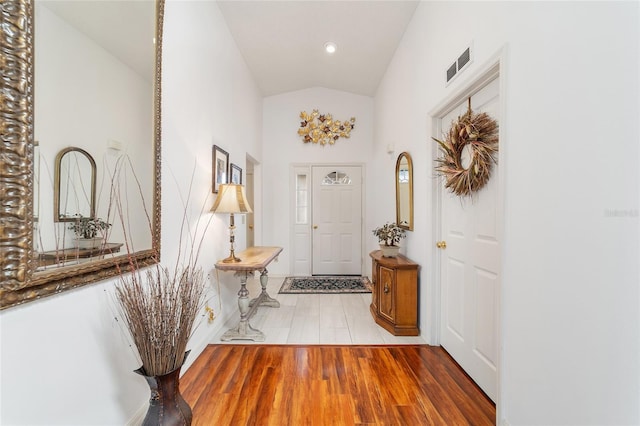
(231, 259)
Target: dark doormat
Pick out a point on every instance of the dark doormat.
(326, 284)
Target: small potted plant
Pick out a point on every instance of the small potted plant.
(389, 236)
(87, 230)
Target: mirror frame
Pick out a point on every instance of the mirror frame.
(410, 165)
(20, 283)
(57, 217)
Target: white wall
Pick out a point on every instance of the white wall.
(79, 91)
(570, 295)
(64, 359)
(284, 147)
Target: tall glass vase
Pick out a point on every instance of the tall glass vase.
(166, 405)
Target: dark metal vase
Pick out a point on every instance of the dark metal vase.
(166, 405)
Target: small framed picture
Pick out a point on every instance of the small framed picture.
(220, 167)
(236, 174)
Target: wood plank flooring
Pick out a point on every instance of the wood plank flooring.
(332, 385)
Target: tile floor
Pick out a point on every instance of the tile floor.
(315, 319)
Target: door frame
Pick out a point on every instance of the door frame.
(490, 70)
(252, 166)
(292, 207)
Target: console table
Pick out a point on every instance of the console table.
(56, 257)
(253, 259)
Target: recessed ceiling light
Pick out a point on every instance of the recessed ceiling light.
(330, 47)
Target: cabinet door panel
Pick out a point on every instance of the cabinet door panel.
(385, 287)
(375, 290)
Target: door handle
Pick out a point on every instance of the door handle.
(441, 244)
(250, 226)
(315, 226)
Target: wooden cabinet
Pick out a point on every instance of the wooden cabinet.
(394, 303)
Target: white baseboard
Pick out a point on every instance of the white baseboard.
(138, 417)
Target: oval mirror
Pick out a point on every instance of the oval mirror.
(74, 189)
(404, 192)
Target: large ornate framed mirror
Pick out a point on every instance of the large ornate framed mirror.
(69, 79)
(404, 191)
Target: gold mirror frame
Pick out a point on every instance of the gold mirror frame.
(402, 205)
(20, 283)
(57, 189)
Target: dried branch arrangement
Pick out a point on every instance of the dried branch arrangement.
(480, 133)
(159, 309)
(158, 305)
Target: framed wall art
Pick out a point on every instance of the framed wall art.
(220, 169)
(236, 174)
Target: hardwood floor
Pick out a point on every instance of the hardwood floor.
(332, 385)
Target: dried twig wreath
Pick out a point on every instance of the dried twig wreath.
(478, 132)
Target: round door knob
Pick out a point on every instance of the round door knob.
(441, 244)
(315, 226)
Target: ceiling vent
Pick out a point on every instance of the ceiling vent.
(459, 65)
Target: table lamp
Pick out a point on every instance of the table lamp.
(231, 199)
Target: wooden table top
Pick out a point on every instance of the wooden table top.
(55, 257)
(75, 252)
(253, 259)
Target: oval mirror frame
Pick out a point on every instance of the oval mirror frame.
(20, 283)
(58, 186)
(404, 191)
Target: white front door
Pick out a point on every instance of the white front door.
(337, 220)
(470, 264)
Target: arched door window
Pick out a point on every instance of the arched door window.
(336, 178)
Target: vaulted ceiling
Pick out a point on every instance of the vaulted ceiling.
(283, 41)
(123, 28)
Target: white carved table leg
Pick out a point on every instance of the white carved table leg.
(264, 299)
(243, 331)
(252, 259)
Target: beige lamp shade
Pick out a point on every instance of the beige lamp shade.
(231, 199)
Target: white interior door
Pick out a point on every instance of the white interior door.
(470, 264)
(337, 220)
